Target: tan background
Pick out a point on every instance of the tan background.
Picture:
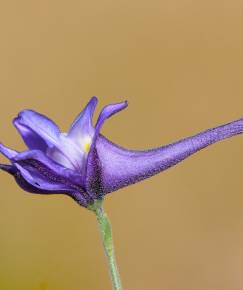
(179, 63)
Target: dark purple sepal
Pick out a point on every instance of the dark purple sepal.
(39, 157)
(8, 168)
(37, 173)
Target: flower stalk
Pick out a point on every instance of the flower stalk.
(106, 235)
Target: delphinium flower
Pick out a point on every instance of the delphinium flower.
(85, 165)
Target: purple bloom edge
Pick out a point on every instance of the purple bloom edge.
(84, 164)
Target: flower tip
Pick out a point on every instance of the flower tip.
(94, 99)
(120, 106)
(15, 120)
(20, 114)
(7, 168)
(19, 117)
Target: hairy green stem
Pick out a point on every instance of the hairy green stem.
(106, 235)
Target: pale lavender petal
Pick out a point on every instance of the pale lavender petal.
(7, 152)
(31, 138)
(69, 154)
(39, 124)
(107, 112)
(118, 167)
(82, 126)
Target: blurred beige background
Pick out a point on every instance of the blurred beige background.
(179, 64)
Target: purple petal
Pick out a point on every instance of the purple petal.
(35, 180)
(8, 168)
(39, 124)
(25, 185)
(57, 169)
(36, 173)
(7, 152)
(39, 181)
(118, 167)
(107, 112)
(31, 138)
(60, 148)
(82, 125)
(67, 153)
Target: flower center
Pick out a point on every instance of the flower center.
(86, 144)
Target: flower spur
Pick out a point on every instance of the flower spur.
(86, 166)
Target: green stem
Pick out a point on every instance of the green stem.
(106, 234)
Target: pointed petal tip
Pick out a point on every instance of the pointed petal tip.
(7, 168)
(83, 122)
(17, 120)
(92, 105)
(22, 112)
(33, 124)
(109, 111)
(7, 152)
(31, 115)
(122, 105)
(94, 99)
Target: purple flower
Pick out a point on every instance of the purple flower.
(84, 164)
